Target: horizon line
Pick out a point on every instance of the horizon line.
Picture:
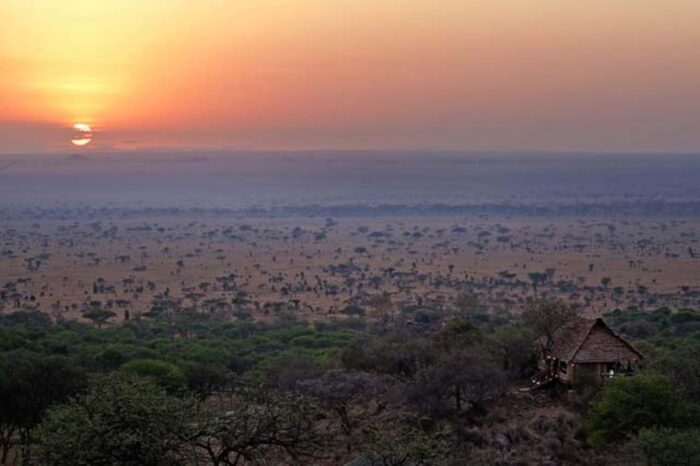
(330, 151)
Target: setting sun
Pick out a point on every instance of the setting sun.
(82, 134)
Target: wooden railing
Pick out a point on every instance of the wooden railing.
(543, 378)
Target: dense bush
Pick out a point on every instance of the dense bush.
(643, 401)
(434, 368)
(118, 422)
(29, 385)
(670, 447)
(663, 323)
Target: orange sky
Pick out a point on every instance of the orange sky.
(456, 74)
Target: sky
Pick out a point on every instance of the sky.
(593, 75)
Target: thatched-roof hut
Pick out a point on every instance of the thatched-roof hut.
(584, 350)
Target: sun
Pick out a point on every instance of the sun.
(82, 134)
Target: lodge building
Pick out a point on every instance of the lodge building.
(584, 351)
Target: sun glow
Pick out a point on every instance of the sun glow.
(82, 134)
(310, 74)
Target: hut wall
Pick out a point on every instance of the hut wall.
(587, 373)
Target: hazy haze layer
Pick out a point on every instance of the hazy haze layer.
(294, 179)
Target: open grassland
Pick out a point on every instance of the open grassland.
(320, 266)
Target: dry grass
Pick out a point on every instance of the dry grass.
(649, 253)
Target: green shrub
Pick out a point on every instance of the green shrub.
(643, 401)
(165, 374)
(118, 422)
(670, 447)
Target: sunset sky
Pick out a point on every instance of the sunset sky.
(618, 75)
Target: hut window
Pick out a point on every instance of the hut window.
(562, 366)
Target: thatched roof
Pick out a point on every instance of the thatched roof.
(590, 341)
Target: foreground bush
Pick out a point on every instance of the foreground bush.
(119, 421)
(630, 404)
(670, 447)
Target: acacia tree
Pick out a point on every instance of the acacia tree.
(513, 348)
(461, 379)
(341, 390)
(275, 427)
(382, 306)
(467, 305)
(29, 385)
(99, 316)
(537, 279)
(546, 316)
